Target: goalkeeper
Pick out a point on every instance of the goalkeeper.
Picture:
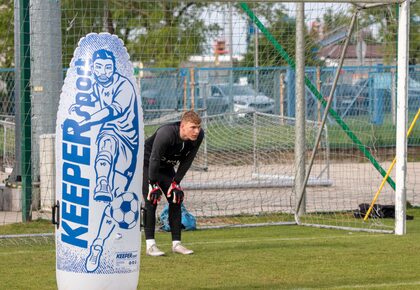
(174, 144)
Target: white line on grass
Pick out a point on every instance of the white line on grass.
(231, 241)
(378, 285)
(242, 240)
(357, 286)
(25, 252)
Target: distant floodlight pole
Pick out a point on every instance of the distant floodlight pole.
(231, 34)
(401, 144)
(256, 63)
(231, 50)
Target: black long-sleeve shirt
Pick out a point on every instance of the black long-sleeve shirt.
(165, 149)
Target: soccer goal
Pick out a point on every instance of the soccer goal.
(245, 171)
(305, 105)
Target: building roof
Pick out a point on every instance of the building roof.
(334, 51)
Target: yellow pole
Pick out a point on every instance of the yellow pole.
(390, 169)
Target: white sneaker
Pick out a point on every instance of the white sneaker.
(154, 251)
(180, 249)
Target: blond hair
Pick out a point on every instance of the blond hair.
(191, 117)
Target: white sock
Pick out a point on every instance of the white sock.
(150, 243)
(174, 243)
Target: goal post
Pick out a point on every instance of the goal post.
(249, 171)
(284, 54)
(402, 96)
(194, 55)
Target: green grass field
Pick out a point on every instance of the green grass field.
(275, 257)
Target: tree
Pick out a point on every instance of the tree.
(158, 33)
(414, 49)
(384, 19)
(6, 55)
(6, 34)
(171, 33)
(283, 28)
(379, 26)
(333, 20)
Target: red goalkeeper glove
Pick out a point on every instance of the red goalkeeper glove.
(155, 193)
(175, 193)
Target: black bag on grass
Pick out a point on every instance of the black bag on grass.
(378, 211)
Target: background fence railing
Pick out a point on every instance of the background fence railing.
(365, 98)
(367, 92)
(363, 93)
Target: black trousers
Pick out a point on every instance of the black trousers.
(149, 218)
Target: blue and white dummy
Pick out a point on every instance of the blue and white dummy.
(99, 163)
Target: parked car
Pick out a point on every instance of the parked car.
(245, 100)
(150, 103)
(158, 96)
(348, 99)
(213, 102)
(413, 92)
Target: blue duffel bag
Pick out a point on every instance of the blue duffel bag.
(188, 221)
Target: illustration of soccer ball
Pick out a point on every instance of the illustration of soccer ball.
(125, 210)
